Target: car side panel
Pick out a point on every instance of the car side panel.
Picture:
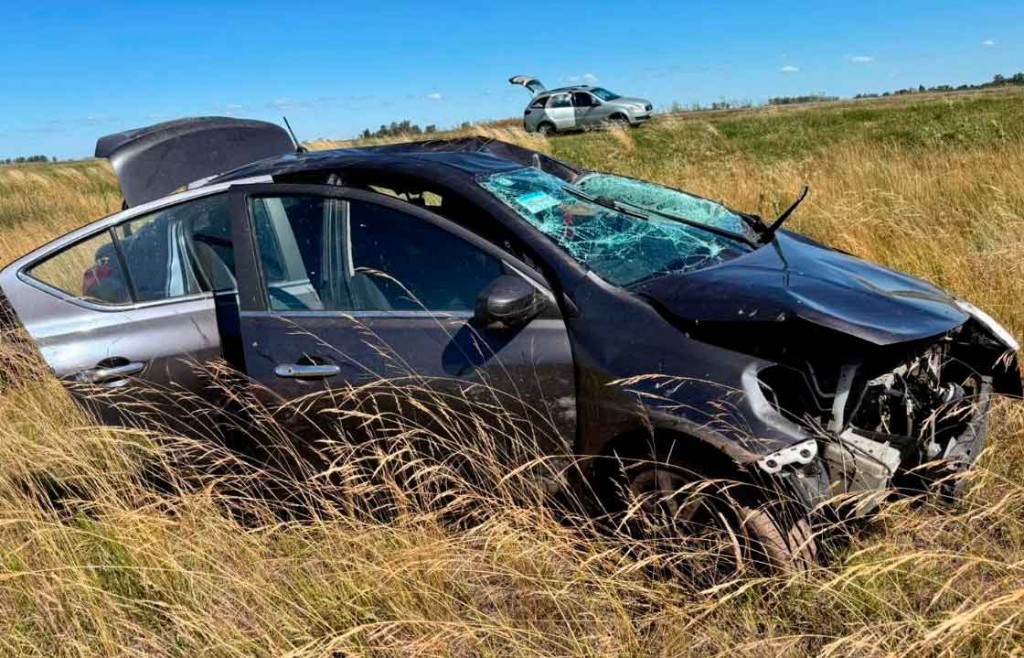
(171, 341)
(525, 373)
(72, 338)
(564, 118)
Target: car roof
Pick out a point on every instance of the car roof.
(153, 161)
(562, 90)
(464, 158)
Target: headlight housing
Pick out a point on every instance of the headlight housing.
(989, 323)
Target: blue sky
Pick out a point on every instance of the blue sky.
(72, 71)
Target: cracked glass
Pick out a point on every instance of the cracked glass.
(663, 199)
(620, 247)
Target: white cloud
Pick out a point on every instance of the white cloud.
(289, 104)
(988, 43)
(861, 59)
(585, 79)
(789, 69)
(435, 96)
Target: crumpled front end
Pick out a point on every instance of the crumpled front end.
(889, 375)
(912, 416)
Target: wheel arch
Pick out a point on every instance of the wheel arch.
(696, 452)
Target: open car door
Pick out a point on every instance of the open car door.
(355, 300)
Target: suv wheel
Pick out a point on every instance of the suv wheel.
(620, 120)
(546, 128)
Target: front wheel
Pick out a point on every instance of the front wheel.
(723, 524)
(619, 121)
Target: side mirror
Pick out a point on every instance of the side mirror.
(508, 302)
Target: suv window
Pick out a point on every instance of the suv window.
(321, 253)
(175, 252)
(582, 99)
(539, 102)
(560, 100)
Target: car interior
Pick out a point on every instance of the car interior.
(187, 249)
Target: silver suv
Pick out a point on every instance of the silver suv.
(578, 108)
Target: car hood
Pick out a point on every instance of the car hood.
(796, 278)
(625, 100)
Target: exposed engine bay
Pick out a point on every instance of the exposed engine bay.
(908, 422)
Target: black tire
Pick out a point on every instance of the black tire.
(620, 120)
(546, 128)
(737, 524)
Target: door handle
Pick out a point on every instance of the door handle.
(112, 375)
(307, 371)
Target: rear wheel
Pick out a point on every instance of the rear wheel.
(546, 128)
(717, 523)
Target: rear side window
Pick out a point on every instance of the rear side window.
(539, 103)
(176, 252)
(90, 270)
(560, 100)
(153, 253)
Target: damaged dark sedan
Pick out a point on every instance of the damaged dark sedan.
(661, 335)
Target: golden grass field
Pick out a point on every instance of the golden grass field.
(934, 187)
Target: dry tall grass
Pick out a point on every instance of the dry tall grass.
(119, 567)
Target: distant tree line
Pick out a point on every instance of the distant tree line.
(809, 98)
(30, 158)
(998, 80)
(397, 129)
(722, 104)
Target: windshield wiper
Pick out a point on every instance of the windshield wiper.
(769, 233)
(754, 221)
(645, 213)
(605, 202)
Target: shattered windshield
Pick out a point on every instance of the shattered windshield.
(663, 199)
(604, 94)
(620, 247)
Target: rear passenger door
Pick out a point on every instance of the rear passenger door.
(341, 289)
(561, 112)
(128, 300)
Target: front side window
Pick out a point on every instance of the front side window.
(319, 253)
(604, 94)
(582, 99)
(621, 248)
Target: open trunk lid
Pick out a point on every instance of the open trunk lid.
(531, 83)
(154, 161)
